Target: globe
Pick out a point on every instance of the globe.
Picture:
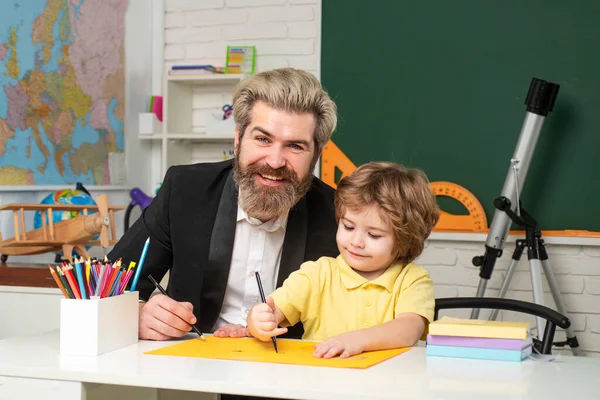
(66, 196)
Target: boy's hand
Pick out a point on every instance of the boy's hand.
(262, 322)
(345, 345)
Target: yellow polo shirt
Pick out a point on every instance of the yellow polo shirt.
(330, 298)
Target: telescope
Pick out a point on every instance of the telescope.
(508, 210)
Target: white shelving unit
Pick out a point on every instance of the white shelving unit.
(187, 101)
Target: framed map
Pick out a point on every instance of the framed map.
(62, 90)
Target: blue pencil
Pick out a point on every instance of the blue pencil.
(140, 265)
(80, 279)
(115, 284)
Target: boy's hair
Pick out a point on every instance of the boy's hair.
(291, 90)
(404, 196)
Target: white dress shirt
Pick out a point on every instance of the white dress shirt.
(257, 247)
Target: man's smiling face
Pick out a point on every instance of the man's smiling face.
(274, 161)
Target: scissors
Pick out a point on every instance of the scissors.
(227, 110)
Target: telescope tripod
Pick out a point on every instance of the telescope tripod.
(538, 260)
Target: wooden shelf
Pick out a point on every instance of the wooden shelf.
(201, 137)
(206, 79)
(197, 137)
(147, 136)
(186, 133)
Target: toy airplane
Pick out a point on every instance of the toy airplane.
(68, 235)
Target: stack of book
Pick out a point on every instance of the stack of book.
(487, 340)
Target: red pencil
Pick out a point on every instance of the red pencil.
(72, 281)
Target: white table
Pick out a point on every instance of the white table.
(31, 367)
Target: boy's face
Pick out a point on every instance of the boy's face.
(366, 241)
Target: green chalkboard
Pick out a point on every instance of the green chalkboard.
(440, 85)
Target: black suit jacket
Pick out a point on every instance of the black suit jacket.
(191, 224)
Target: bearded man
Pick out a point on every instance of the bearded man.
(213, 225)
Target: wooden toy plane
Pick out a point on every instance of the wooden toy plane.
(68, 235)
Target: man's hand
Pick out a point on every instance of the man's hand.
(163, 318)
(345, 345)
(232, 330)
(262, 322)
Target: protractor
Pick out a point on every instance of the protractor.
(476, 221)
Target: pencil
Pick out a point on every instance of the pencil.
(163, 291)
(80, 278)
(100, 280)
(58, 282)
(126, 281)
(63, 280)
(262, 298)
(140, 265)
(109, 281)
(71, 279)
(115, 284)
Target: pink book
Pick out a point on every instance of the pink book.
(483, 343)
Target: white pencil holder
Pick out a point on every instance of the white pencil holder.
(96, 326)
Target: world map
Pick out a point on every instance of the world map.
(62, 90)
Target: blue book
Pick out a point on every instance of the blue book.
(192, 67)
(478, 353)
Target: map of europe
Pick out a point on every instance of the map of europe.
(62, 90)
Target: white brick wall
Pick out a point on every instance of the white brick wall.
(285, 33)
(576, 268)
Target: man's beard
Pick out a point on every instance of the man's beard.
(267, 202)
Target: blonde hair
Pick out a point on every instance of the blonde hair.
(288, 89)
(404, 197)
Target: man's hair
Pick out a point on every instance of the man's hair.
(404, 197)
(291, 90)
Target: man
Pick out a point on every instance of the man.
(214, 225)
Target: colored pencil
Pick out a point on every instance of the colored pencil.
(58, 282)
(80, 278)
(64, 281)
(71, 280)
(100, 280)
(140, 265)
(110, 281)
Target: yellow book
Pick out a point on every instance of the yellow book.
(479, 328)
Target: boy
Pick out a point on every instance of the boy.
(371, 297)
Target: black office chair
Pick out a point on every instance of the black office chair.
(553, 318)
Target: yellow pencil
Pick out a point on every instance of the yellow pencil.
(87, 271)
(131, 265)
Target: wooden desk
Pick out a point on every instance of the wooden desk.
(31, 367)
(26, 274)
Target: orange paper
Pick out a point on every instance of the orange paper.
(291, 351)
